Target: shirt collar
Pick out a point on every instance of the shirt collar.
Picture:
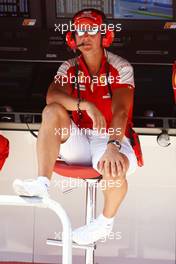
(82, 64)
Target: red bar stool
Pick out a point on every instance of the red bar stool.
(92, 177)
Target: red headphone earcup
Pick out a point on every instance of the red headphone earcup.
(108, 39)
(70, 40)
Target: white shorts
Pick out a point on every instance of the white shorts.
(86, 148)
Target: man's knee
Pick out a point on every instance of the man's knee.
(54, 112)
(120, 179)
(120, 171)
(56, 116)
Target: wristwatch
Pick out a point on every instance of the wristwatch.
(115, 142)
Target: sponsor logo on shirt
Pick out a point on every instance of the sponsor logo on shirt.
(106, 96)
(82, 87)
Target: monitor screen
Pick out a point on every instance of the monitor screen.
(153, 89)
(143, 9)
(123, 9)
(22, 87)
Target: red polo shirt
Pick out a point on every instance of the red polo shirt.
(95, 89)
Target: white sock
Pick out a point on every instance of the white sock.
(105, 220)
(44, 180)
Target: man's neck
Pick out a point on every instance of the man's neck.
(93, 61)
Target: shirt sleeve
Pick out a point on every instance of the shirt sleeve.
(62, 76)
(63, 69)
(126, 74)
(122, 71)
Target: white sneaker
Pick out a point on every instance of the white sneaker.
(30, 188)
(92, 232)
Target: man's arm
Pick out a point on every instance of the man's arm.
(62, 95)
(112, 162)
(122, 100)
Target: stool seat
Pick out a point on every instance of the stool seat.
(75, 171)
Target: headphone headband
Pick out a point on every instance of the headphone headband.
(90, 16)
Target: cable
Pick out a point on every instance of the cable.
(31, 131)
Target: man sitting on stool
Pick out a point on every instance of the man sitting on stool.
(101, 102)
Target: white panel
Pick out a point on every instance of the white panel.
(146, 219)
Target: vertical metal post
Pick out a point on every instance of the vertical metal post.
(91, 191)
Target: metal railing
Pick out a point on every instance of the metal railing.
(54, 206)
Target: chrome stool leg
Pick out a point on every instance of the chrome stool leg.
(91, 191)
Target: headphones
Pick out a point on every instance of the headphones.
(90, 15)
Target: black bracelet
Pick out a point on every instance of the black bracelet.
(115, 142)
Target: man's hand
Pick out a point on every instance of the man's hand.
(112, 163)
(96, 116)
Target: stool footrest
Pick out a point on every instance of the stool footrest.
(59, 243)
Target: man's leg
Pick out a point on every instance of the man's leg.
(114, 190)
(54, 119)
